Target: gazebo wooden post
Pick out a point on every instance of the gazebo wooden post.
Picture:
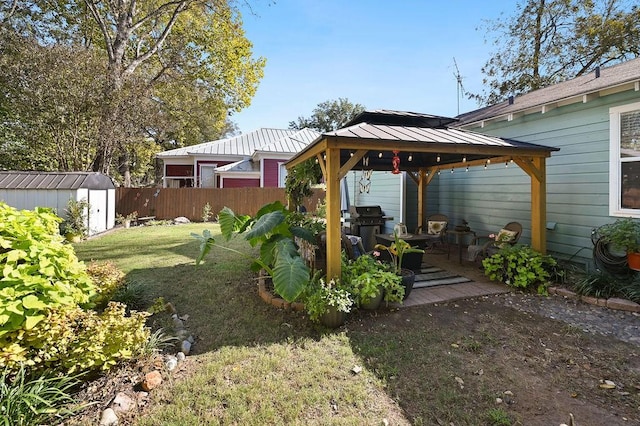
(334, 237)
(535, 167)
(539, 206)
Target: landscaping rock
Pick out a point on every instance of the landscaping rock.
(190, 339)
(151, 380)
(171, 363)
(177, 322)
(180, 356)
(122, 403)
(623, 304)
(181, 219)
(185, 347)
(108, 418)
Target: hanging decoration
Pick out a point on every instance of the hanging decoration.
(395, 162)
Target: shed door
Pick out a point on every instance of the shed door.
(98, 211)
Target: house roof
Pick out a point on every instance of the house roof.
(623, 76)
(54, 180)
(425, 138)
(240, 166)
(292, 143)
(242, 145)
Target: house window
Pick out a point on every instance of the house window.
(624, 172)
(282, 175)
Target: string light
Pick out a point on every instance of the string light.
(452, 170)
(350, 154)
(467, 169)
(485, 165)
(506, 164)
(410, 157)
(438, 158)
(489, 161)
(316, 160)
(464, 159)
(379, 155)
(438, 172)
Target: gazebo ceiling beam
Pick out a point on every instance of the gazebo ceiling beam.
(377, 145)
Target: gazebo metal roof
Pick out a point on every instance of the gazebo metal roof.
(424, 143)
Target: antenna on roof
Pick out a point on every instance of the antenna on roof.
(460, 89)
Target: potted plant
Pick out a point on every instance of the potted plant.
(126, 220)
(370, 281)
(328, 302)
(625, 234)
(396, 251)
(74, 227)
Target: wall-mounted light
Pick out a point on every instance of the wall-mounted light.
(551, 226)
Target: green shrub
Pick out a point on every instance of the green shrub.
(75, 340)
(520, 267)
(39, 271)
(76, 221)
(39, 401)
(44, 294)
(107, 278)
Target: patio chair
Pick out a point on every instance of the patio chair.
(436, 231)
(485, 245)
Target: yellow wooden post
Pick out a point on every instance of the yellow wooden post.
(334, 237)
(539, 206)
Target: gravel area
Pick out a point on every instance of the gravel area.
(622, 325)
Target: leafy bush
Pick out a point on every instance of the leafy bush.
(39, 271)
(521, 267)
(39, 401)
(269, 230)
(107, 278)
(44, 291)
(74, 340)
(76, 221)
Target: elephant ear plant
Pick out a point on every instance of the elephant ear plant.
(273, 233)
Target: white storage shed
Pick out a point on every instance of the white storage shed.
(27, 190)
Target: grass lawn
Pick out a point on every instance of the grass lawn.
(253, 364)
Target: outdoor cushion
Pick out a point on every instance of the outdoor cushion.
(505, 236)
(434, 227)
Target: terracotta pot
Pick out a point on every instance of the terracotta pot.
(633, 259)
(333, 318)
(408, 278)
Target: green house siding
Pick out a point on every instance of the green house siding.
(577, 177)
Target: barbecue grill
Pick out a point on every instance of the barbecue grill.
(367, 221)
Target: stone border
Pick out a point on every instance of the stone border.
(274, 300)
(611, 303)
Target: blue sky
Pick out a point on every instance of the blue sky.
(382, 54)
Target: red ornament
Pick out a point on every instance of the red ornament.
(395, 162)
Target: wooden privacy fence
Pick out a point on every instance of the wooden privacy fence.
(169, 203)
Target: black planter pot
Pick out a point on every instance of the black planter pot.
(408, 278)
(373, 303)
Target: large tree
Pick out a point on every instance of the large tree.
(189, 57)
(328, 115)
(547, 41)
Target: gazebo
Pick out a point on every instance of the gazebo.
(421, 145)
